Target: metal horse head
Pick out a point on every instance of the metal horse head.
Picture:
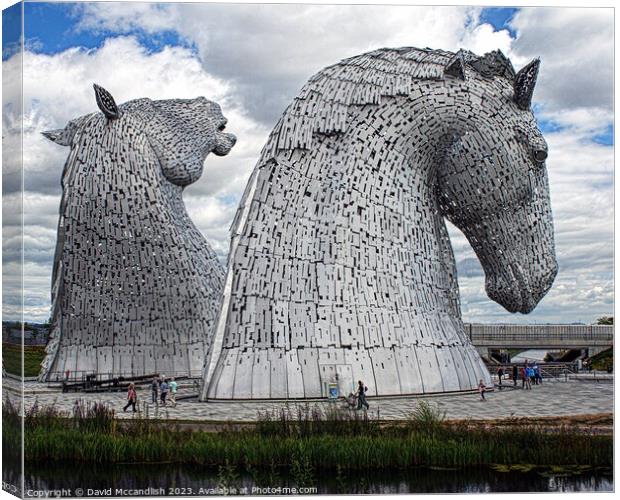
(147, 288)
(182, 132)
(492, 182)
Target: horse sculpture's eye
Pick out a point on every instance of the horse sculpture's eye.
(540, 155)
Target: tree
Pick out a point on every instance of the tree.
(605, 320)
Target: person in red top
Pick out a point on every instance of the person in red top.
(132, 398)
(482, 389)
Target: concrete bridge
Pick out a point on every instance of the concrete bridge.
(594, 338)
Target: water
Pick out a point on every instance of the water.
(180, 480)
(530, 355)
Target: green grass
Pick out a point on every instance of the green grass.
(33, 356)
(306, 440)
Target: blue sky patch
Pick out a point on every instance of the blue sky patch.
(605, 138)
(11, 30)
(548, 126)
(499, 18)
(51, 28)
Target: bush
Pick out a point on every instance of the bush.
(427, 417)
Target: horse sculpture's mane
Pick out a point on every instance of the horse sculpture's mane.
(323, 103)
(84, 183)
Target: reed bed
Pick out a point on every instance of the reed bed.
(304, 439)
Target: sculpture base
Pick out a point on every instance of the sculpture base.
(77, 362)
(315, 373)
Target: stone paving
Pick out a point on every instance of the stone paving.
(553, 398)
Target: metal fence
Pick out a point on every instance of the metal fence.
(84, 376)
(552, 333)
(548, 370)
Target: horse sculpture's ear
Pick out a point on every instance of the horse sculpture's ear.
(456, 66)
(106, 103)
(524, 84)
(58, 136)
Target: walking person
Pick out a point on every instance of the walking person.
(173, 392)
(538, 376)
(515, 375)
(500, 374)
(154, 390)
(164, 391)
(481, 389)
(528, 377)
(361, 396)
(524, 379)
(132, 398)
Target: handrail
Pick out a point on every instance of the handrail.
(540, 336)
(586, 333)
(566, 371)
(80, 376)
(554, 370)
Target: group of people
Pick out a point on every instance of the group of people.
(162, 391)
(167, 391)
(529, 375)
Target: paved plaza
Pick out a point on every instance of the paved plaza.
(553, 398)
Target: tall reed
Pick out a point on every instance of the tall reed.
(303, 440)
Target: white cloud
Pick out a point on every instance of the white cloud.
(268, 51)
(59, 88)
(483, 38)
(581, 120)
(60, 85)
(116, 17)
(576, 48)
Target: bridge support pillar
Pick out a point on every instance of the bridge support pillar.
(484, 352)
(593, 351)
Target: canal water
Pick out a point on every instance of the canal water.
(186, 480)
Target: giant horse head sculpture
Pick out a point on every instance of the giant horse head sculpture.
(135, 286)
(341, 267)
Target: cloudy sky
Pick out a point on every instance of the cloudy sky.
(253, 59)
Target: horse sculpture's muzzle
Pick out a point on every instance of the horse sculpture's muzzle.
(225, 143)
(517, 253)
(519, 290)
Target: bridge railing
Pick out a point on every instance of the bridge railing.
(559, 372)
(552, 333)
(551, 370)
